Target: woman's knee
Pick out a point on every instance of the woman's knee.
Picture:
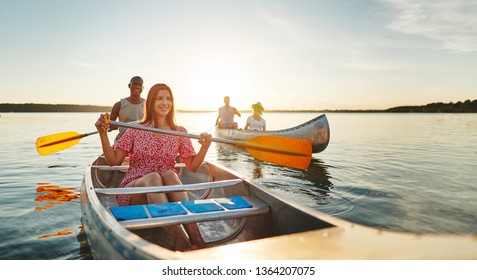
(171, 178)
(151, 179)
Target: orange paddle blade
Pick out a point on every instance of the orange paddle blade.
(286, 151)
(53, 143)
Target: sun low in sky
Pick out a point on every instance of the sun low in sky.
(290, 55)
(216, 77)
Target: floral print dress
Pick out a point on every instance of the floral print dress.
(150, 153)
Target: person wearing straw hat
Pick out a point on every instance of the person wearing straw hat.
(255, 121)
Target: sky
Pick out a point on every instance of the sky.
(289, 55)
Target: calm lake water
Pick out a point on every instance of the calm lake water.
(405, 172)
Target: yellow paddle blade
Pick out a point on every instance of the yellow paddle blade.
(53, 143)
(286, 151)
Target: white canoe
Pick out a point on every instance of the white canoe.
(264, 227)
(317, 131)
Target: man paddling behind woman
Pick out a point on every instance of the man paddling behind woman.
(153, 159)
(131, 108)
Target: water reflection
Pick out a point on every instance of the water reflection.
(257, 170)
(84, 249)
(54, 195)
(239, 160)
(67, 231)
(317, 174)
(311, 184)
(314, 182)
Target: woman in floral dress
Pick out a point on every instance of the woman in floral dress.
(153, 157)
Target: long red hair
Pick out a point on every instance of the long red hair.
(149, 107)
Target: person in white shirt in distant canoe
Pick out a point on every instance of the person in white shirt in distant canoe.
(255, 121)
(225, 119)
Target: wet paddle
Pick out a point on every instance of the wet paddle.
(53, 143)
(285, 151)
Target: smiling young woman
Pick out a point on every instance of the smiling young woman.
(153, 158)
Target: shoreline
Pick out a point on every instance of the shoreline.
(459, 107)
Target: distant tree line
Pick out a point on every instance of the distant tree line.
(439, 107)
(30, 107)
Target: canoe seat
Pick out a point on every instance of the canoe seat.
(188, 211)
(170, 188)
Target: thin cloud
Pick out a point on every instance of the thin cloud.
(291, 29)
(452, 23)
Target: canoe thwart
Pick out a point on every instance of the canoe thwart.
(170, 188)
(125, 167)
(190, 211)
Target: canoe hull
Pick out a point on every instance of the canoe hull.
(109, 240)
(287, 231)
(317, 131)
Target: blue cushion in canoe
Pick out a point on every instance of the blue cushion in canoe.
(235, 202)
(165, 209)
(200, 206)
(129, 212)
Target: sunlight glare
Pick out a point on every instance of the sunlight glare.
(214, 80)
